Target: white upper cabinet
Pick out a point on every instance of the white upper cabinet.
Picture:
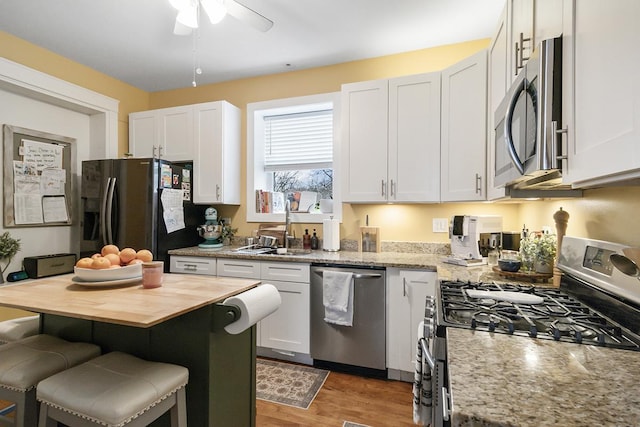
(364, 141)
(207, 134)
(601, 97)
(547, 19)
(217, 153)
(463, 130)
(521, 33)
(165, 133)
(498, 69)
(390, 139)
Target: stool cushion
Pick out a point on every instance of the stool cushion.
(25, 362)
(16, 329)
(112, 389)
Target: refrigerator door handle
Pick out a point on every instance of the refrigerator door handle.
(108, 211)
(103, 212)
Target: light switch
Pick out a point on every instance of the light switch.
(440, 225)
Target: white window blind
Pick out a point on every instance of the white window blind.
(299, 140)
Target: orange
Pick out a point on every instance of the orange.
(145, 255)
(84, 263)
(109, 249)
(100, 263)
(94, 256)
(126, 255)
(114, 259)
(135, 261)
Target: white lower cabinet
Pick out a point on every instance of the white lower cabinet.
(406, 293)
(193, 265)
(284, 334)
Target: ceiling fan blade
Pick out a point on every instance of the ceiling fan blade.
(249, 16)
(181, 29)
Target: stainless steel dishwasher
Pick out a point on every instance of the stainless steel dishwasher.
(360, 348)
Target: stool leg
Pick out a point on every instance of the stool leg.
(27, 409)
(45, 421)
(179, 410)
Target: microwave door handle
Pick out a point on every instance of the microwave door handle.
(508, 129)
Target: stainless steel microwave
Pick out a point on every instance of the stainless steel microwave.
(528, 148)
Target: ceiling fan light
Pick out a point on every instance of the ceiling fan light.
(215, 10)
(180, 4)
(188, 17)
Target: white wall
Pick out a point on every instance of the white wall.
(25, 112)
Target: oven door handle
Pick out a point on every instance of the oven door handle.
(446, 411)
(426, 354)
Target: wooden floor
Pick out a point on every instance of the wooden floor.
(344, 397)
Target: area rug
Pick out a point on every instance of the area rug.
(288, 384)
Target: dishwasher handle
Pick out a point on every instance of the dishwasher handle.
(355, 275)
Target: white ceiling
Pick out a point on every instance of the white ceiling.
(133, 40)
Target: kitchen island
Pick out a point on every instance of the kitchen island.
(499, 380)
(180, 322)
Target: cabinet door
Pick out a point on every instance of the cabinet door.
(288, 328)
(547, 19)
(238, 268)
(407, 292)
(414, 138)
(364, 141)
(498, 81)
(463, 131)
(601, 98)
(522, 36)
(216, 161)
(193, 265)
(175, 133)
(143, 134)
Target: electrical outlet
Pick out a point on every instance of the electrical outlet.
(440, 225)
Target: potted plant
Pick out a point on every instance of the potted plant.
(227, 233)
(9, 247)
(538, 252)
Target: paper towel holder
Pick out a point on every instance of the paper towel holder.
(223, 315)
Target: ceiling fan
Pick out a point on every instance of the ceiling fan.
(216, 10)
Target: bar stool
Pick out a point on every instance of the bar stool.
(25, 362)
(16, 329)
(114, 390)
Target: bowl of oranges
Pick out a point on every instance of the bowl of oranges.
(112, 264)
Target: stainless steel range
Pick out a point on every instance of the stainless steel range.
(596, 304)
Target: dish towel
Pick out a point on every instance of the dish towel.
(421, 386)
(337, 297)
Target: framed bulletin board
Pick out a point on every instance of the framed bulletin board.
(39, 173)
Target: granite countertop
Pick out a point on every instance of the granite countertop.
(505, 380)
(414, 260)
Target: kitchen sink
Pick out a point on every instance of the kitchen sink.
(297, 252)
(265, 251)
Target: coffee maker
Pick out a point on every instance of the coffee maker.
(472, 238)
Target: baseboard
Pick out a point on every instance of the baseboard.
(305, 359)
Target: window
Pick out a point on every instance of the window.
(291, 156)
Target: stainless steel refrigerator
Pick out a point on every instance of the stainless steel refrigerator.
(122, 204)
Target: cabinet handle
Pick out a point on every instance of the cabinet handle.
(520, 58)
(190, 267)
(382, 191)
(159, 151)
(445, 404)
(392, 192)
(404, 287)
(478, 184)
(217, 192)
(554, 145)
(153, 153)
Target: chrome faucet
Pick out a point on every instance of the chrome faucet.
(287, 223)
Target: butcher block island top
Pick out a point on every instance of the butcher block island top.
(130, 305)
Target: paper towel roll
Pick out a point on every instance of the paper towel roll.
(331, 234)
(254, 304)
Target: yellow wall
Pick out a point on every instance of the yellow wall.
(131, 98)
(607, 214)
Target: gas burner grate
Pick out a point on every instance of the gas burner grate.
(559, 317)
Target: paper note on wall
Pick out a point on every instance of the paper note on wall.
(173, 212)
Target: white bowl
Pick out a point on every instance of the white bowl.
(91, 275)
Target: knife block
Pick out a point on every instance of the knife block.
(369, 239)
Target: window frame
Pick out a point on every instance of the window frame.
(255, 154)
